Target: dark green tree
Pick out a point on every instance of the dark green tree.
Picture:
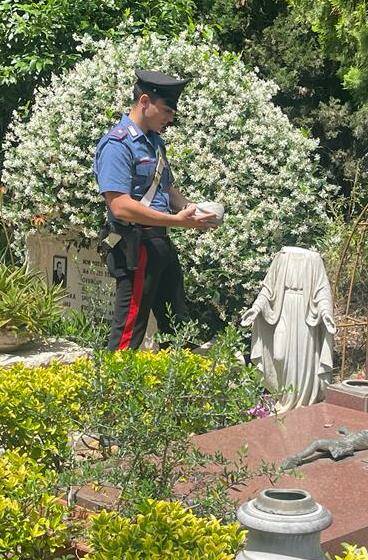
(40, 37)
(283, 45)
(342, 30)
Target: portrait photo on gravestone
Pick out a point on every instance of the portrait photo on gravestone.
(59, 270)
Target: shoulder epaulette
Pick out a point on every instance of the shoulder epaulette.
(118, 132)
(132, 131)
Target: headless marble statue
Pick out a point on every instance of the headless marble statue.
(293, 325)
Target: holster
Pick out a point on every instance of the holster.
(118, 246)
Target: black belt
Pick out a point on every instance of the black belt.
(150, 232)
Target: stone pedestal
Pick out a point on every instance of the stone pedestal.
(351, 393)
(283, 525)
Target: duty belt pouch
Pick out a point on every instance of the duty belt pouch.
(116, 262)
(124, 256)
(130, 244)
(118, 246)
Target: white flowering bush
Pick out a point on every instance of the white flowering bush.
(231, 145)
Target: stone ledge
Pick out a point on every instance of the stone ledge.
(41, 354)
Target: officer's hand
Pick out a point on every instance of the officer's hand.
(189, 218)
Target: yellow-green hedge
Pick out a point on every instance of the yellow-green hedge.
(163, 531)
(353, 552)
(31, 521)
(38, 407)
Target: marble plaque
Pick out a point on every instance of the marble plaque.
(80, 271)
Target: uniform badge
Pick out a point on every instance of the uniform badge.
(132, 131)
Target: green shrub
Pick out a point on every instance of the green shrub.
(342, 29)
(27, 303)
(31, 521)
(87, 328)
(163, 531)
(38, 407)
(144, 408)
(197, 393)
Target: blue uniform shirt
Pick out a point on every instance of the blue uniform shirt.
(125, 162)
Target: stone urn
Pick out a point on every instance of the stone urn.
(12, 340)
(283, 525)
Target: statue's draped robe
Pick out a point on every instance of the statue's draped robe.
(290, 343)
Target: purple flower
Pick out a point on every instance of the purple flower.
(259, 411)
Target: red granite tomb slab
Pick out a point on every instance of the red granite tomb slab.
(340, 486)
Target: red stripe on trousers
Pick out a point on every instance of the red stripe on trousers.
(135, 300)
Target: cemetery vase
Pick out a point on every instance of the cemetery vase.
(12, 340)
(283, 525)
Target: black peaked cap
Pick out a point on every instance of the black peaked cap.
(164, 86)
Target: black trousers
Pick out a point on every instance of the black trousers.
(156, 284)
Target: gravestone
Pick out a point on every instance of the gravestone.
(80, 271)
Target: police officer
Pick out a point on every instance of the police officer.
(131, 165)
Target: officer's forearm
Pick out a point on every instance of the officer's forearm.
(125, 208)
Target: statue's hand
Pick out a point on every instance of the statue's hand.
(249, 316)
(329, 323)
(290, 463)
